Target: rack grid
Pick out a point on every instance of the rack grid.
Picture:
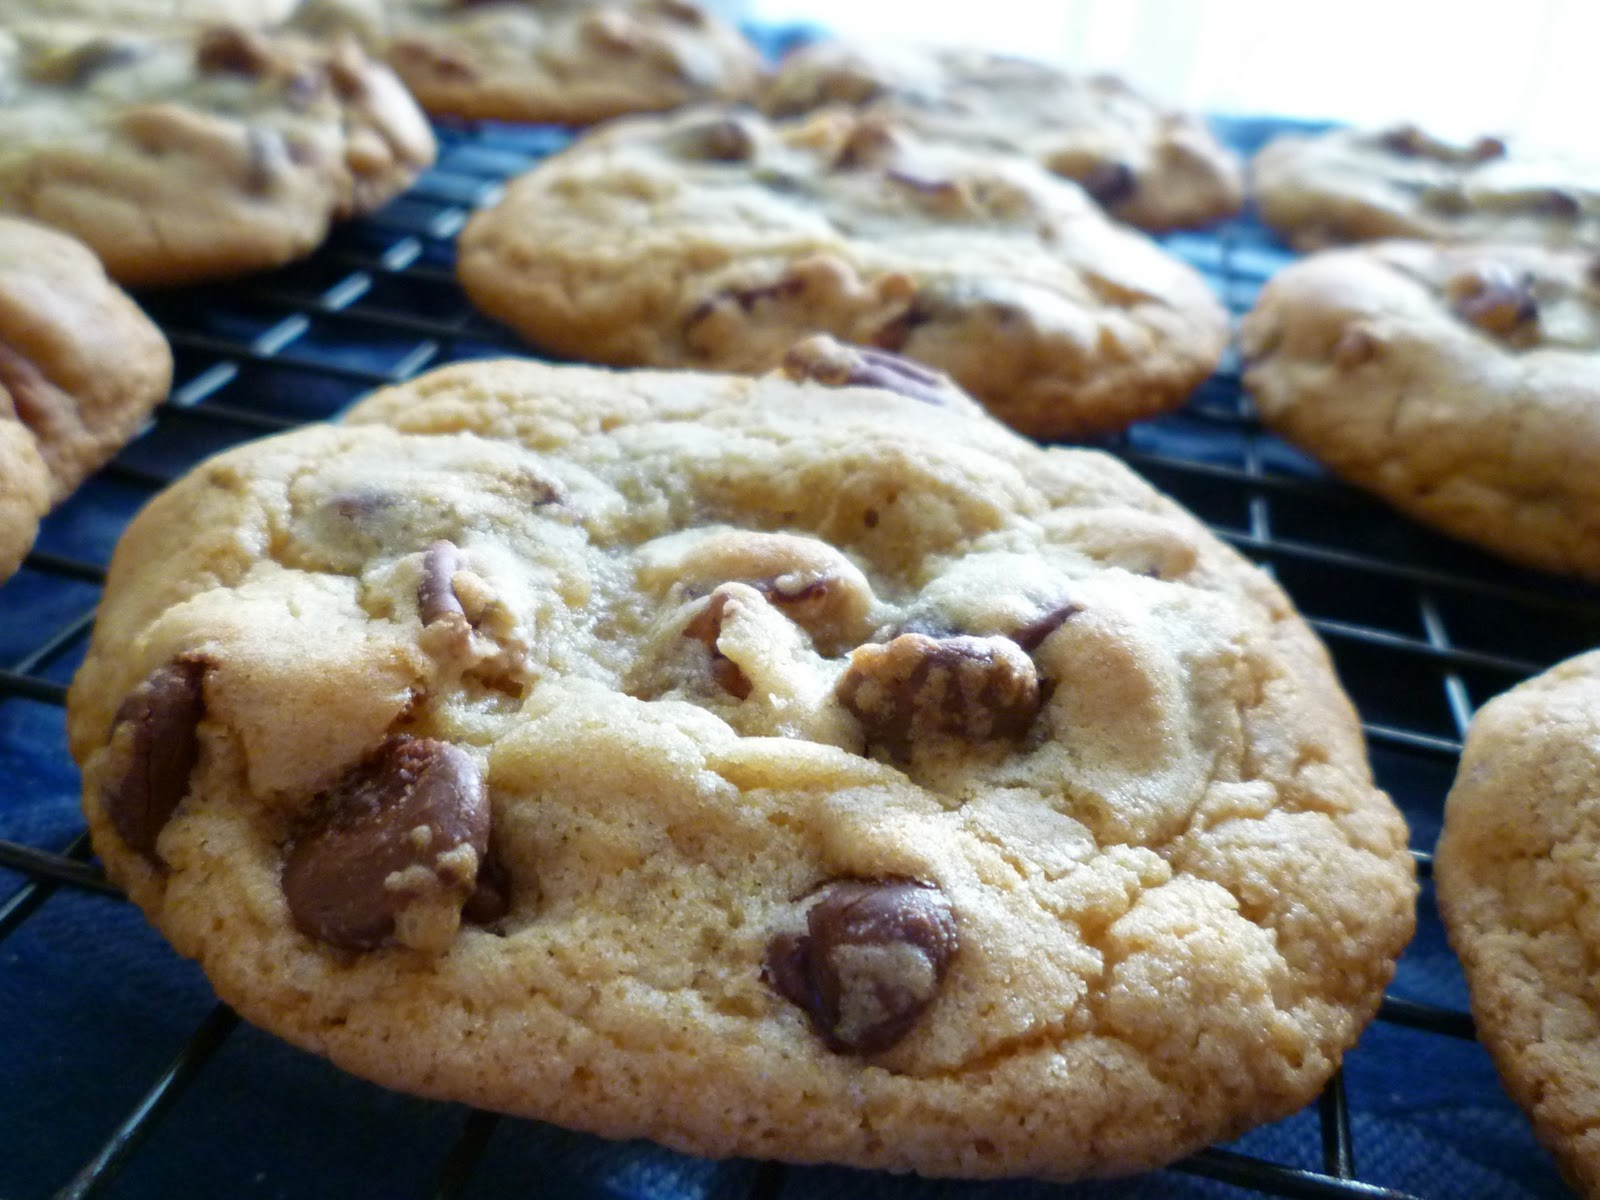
(122, 1077)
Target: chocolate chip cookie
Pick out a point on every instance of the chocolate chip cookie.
(569, 62)
(1156, 167)
(1355, 185)
(1515, 869)
(802, 767)
(1457, 383)
(714, 238)
(180, 156)
(80, 369)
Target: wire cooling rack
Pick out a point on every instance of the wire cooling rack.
(120, 1075)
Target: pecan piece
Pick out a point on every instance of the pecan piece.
(916, 687)
(871, 961)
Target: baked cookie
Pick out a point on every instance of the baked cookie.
(1155, 167)
(714, 238)
(1457, 383)
(180, 156)
(569, 62)
(1354, 185)
(805, 768)
(80, 369)
(1516, 876)
(137, 13)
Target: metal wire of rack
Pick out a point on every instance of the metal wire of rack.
(123, 1077)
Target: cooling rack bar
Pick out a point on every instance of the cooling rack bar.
(30, 688)
(1333, 1112)
(464, 1155)
(1428, 1017)
(100, 1169)
(1275, 1179)
(57, 868)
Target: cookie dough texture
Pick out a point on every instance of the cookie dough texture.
(1356, 185)
(80, 368)
(188, 154)
(1149, 164)
(714, 238)
(569, 62)
(1456, 383)
(867, 784)
(1515, 870)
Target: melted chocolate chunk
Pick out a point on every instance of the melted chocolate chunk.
(409, 825)
(154, 744)
(871, 961)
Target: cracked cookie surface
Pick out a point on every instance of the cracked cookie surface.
(202, 152)
(1516, 874)
(1457, 383)
(1153, 166)
(775, 766)
(81, 367)
(566, 62)
(714, 239)
(1357, 185)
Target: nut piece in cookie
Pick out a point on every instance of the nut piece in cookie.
(391, 852)
(918, 689)
(870, 962)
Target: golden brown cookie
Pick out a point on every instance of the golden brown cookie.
(1518, 873)
(713, 238)
(187, 154)
(1148, 164)
(1457, 383)
(569, 62)
(1356, 185)
(800, 767)
(80, 369)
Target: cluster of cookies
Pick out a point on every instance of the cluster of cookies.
(1452, 367)
(779, 756)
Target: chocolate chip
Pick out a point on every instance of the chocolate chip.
(226, 49)
(726, 139)
(1110, 183)
(103, 54)
(918, 688)
(154, 746)
(1494, 297)
(835, 364)
(706, 627)
(491, 895)
(1550, 202)
(1409, 141)
(1033, 634)
(436, 594)
(873, 957)
(401, 836)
